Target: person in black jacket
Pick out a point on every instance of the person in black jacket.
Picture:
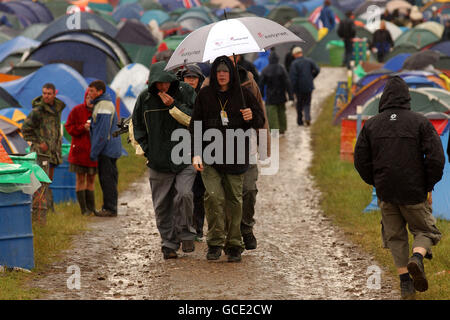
(382, 42)
(276, 80)
(347, 32)
(302, 73)
(400, 153)
(220, 113)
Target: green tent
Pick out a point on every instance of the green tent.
(105, 15)
(173, 41)
(416, 36)
(443, 63)
(57, 8)
(33, 31)
(402, 48)
(304, 22)
(282, 14)
(319, 52)
(4, 37)
(422, 100)
(139, 53)
(363, 33)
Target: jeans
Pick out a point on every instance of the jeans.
(303, 106)
(108, 177)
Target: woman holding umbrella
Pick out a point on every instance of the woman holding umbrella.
(220, 106)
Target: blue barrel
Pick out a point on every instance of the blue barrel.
(16, 234)
(63, 184)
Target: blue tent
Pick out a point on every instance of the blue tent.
(157, 15)
(28, 12)
(259, 10)
(128, 11)
(171, 5)
(87, 21)
(396, 63)
(16, 44)
(443, 47)
(346, 5)
(67, 81)
(91, 53)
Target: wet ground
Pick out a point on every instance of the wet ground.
(300, 254)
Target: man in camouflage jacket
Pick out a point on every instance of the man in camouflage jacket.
(42, 127)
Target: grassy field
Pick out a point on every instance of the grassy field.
(56, 236)
(345, 196)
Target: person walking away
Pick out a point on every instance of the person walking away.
(105, 148)
(164, 107)
(42, 130)
(276, 81)
(302, 73)
(219, 106)
(193, 76)
(400, 153)
(78, 125)
(247, 65)
(347, 32)
(327, 16)
(382, 42)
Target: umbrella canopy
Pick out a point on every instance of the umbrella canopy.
(227, 37)
(420, 60)
(157, 15)
(401, 5)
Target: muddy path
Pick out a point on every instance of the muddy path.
(300, 254)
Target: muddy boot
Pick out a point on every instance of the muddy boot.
(81, 197)
(417, 272)
(90, 201)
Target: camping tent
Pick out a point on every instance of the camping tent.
(68, 82)
(130, 82)
(133, 31)
(33, 31)
(11, 139)
(416, 36)
(441, 46)
(346, 5)
(402, 48)
(319, 53)
(396, 63)
(158, 15)
(91, 53)
(18, 44)
(28, 12)
(283, 14)
(128, 11)
(6, 100)
(170, 5)
(421, 101)
(192, 20)
(304, 22)
(436, 28)
(15, 114)
(87, 21)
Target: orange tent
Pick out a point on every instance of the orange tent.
(8, 77)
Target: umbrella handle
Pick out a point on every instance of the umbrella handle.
(239, 81)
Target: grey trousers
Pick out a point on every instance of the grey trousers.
(421, 224)
(173, 203)
(249, 193)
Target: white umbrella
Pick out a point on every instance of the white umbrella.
(229, 37)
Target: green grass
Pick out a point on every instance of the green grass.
(344, 197)
(57, 235)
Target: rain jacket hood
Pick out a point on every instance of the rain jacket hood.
(158, 74)
(233, 79)
(395, 95)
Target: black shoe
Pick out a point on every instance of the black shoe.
(407, 290)
(187, 245)
(213, 253)
(249, 241)
(417, 272)
(169, 253)
(307, 122)
(234, 254)
(105, 213)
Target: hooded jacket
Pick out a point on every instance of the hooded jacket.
(276, 80)
(398, 151)
(153, 122)
(80, 147)
(193, 70)
(43, 124)
(207, 112)
(104, 123)
(302, 73)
